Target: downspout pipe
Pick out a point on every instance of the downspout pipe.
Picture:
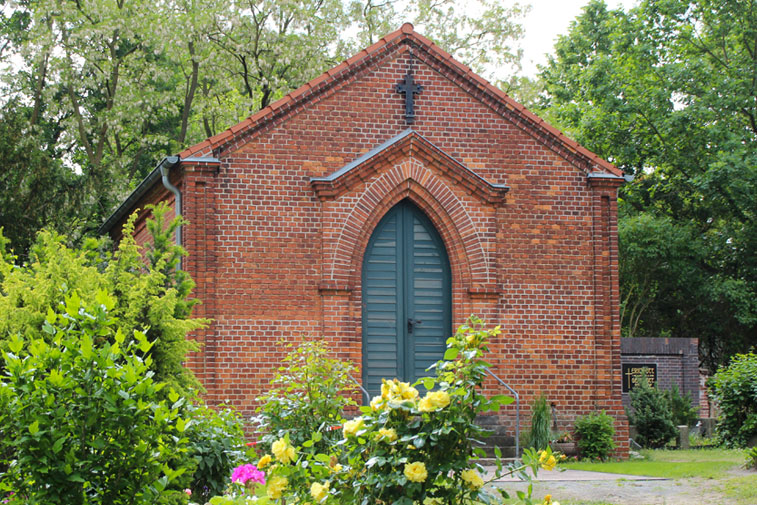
(165, 166)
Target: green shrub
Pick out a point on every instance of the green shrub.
(734, 389)
(405, 448)
(216, 443)
(83, 415)
(541, 417)
(594, 435)
(682, 408)
(650, 413)
(307, 395)
(149, 291)
(751, 458)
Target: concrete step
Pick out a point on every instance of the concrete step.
(493, 461)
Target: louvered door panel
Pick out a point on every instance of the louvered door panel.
(406, 276)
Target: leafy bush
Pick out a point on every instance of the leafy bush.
(594, 434)
(751, 458)
(148, 289)
(682, 410)
(83, 415)
(541, 418)
(650, 413)
(734, 389)
(404, 449)
(216, 443)
(306, 396)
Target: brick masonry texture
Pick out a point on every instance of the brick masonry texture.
(677, 362)
(275, 259)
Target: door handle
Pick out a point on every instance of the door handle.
(411, 323)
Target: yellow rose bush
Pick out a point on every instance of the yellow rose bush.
(412, 445)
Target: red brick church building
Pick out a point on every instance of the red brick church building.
(381, 204)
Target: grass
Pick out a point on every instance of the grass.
(708, 464)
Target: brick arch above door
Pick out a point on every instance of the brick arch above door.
(472, 268)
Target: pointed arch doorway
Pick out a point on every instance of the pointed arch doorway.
(407, 297)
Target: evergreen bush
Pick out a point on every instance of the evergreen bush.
(150, 293)
(734, 389)
(594, 435)
(650, 413)
(682, 408)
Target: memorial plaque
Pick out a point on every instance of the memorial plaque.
(632, 375)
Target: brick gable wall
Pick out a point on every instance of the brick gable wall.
(274, 263)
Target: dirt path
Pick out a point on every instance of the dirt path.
(595, 488)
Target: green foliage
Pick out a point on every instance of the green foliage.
(750, 455)
(83, 414)
(650, 413)
(215, 440)
(594, 434)
(734, 390)
(682, 408)
(150, 295)
(36, 189)
(305, 396)
(99, 99)
(403, 448)
(541, 419)
(665, 92)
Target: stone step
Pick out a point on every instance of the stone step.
(493, 461)
(506, 451)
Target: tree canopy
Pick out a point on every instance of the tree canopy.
(100, 91)
(668, 92)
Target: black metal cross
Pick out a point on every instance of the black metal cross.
(409, 88)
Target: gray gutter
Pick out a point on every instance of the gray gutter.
(168, 163)
(147, 183)
(604, 175)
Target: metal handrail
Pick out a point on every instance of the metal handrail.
(517, 411)
(366, 394)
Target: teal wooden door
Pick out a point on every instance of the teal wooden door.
(407, 298)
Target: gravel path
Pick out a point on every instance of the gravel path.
(584, 488)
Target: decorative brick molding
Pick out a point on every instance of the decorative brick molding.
(408, 178)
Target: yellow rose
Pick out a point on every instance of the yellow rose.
(390, 435)
(406, 391)
(472, 479)
(283, 451)
(337, 468)
(352, 427)
(264, 461)
(416, 471)
(386, 389)
(276, 486)
(319, 491)
(377, 403)
(434, 401)
(547, 461)
(425, 405)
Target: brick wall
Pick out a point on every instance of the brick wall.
(677, 361)
(274, 262)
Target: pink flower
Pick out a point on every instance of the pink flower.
(188, 491)
(246, 473)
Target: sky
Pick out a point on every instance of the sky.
(547, 20)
